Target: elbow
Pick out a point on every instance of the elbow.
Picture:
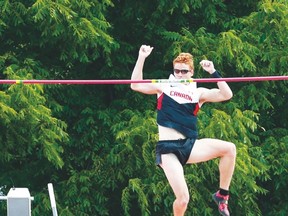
(229, 95)
(133, 87)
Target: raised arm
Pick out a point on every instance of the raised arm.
(137, 74)
(222, 93)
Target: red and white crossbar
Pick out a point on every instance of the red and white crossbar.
(106, 82)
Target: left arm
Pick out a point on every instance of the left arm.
(222, 93)
(137, 74)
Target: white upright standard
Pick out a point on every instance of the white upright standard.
(19, 202)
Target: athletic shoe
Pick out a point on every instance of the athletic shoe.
(222, 202)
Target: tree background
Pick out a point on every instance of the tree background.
(95, 143)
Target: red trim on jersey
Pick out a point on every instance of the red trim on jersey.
(159, 101)
(196, 109)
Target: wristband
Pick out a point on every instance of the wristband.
(216, 74)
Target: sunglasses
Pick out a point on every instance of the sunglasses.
(183, 71)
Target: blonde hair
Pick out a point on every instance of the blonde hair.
(185, 58)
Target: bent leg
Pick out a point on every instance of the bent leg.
(207, 149)
(175, 175)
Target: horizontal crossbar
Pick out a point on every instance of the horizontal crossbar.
(106, 82)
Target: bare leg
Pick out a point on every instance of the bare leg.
(207, 149)
(175, 175)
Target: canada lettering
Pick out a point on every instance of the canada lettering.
(178, 94)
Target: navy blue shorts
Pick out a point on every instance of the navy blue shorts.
(181, 148)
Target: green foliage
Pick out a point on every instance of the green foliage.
(97, 143)
(81, 23)
(275, 146)
(31, 123)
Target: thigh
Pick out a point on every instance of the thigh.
(207, 149)
(175, 174)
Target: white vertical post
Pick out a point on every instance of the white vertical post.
(52, 199)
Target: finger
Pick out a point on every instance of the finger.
(143, 48)
(205, 63)
(146, 48)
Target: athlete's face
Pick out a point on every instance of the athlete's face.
(182, 71)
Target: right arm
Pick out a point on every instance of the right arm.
(137, 74)
(223, 92)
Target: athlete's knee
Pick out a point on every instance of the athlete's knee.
(231, 150)
(182, 201)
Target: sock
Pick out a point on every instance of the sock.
(223, 192)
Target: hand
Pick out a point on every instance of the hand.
(208, 66)
(145, 50)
